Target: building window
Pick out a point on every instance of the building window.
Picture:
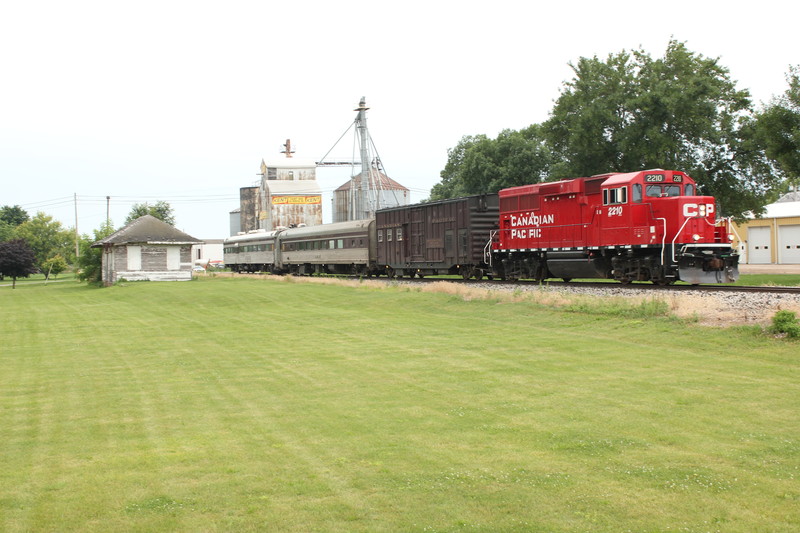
(380, 235)
(389, 235)
(399, 234)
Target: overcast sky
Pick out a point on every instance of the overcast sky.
(180, 101)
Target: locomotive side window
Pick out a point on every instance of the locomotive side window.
(689, 190)
(615, 196)
(636, 192)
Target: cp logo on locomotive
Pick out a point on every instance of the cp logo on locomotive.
(697, 210)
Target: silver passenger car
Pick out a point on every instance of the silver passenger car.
(252, 252)
(339, 248)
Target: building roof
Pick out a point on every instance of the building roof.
(386, 183)
(783, 209)
(148, 229)
(288, 162)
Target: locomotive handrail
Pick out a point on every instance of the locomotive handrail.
(663, 237)
(729, 226)
(686, 221)
(487, 254)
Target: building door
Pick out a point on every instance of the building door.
(789, 244)
(758, 245)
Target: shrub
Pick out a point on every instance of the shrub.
(785, 323)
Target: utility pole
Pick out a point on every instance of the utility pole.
(108, 208)
(77, 239)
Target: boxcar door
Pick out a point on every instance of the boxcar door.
(417, 234)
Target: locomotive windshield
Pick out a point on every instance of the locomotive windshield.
(663, 191)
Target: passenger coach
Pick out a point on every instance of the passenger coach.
(252, 252)
(338, 248)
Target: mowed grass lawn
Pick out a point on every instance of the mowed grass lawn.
(252, 405)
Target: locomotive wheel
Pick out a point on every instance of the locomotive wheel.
(663, 282)
(478, 274)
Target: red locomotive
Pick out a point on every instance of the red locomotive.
(638, 226)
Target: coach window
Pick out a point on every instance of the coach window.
(399, 234)
(380, 235)
(389, 235)
(340, 244)
(331, 245)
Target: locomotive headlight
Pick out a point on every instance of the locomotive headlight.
(702, 210)
(695, 237)
(730, 237)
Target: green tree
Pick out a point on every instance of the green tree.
(6, 231)
(47, 238)
(777, 128)
(13, 214)
(90, 261)
(161, 210)
(452, 182)
(479, 165)
(54, 266)
(16, 260)
(680, 111)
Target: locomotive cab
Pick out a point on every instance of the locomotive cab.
(665, 212)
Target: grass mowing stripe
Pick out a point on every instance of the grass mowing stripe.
(253, 405)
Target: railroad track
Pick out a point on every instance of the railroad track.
(611, 285)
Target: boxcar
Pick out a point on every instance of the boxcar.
(445, 237)
(338, 248)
